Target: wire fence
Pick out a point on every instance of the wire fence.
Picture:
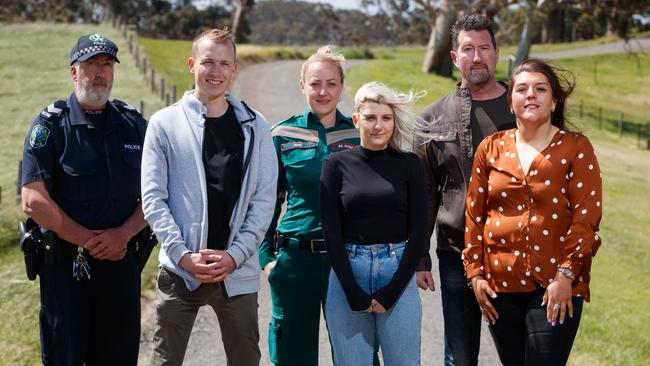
(158, 85)
(612, 121)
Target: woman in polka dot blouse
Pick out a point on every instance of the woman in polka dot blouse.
(533, 208)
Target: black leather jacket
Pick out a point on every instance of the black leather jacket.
(448, 158)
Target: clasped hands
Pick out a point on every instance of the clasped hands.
(375, 307)
(208, 265)
(109, 244)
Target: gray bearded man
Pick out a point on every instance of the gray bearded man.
(81, 185)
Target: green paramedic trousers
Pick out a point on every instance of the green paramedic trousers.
(298, 285)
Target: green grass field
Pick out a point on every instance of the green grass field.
(34, 69)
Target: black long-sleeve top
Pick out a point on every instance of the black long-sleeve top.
(373, 197)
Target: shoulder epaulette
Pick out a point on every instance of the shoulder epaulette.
(288, 120)
(124, 105)
(54, 111)
(129, 110)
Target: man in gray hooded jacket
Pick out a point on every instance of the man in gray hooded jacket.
(209, 175)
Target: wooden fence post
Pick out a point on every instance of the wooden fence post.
(162, 88)
(511, 64)
(581, 109)
(142, 107)
(620, 125)
(600, 118)
(144, 65)
(174, 93)
(18, 180)
(153, 80)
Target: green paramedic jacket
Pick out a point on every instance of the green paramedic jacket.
(302, 143)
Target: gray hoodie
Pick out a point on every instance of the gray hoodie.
(174, 195)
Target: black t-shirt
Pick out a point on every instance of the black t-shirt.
(373, 197)
(490, 116)
(223, 153)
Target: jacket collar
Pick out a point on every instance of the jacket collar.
(463, 91)
(309, 116)
(78, 116)
(196, 111)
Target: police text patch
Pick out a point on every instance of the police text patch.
(132, 147)
(39, 135)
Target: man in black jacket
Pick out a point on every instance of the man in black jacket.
(459, 121)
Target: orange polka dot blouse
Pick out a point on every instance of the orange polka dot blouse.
(520, 229)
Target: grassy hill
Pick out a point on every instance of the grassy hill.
(34, 69)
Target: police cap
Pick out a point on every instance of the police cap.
(91, 45)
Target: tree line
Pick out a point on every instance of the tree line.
(375, 22)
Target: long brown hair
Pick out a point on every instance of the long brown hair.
(562, 83)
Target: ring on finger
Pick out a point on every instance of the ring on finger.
(556, 307)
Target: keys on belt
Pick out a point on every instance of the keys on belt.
(313, 245)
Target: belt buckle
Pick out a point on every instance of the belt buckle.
(313, 242)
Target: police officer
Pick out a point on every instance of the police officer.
(81, 181)
(293, 254)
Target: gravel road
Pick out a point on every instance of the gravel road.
(272, 88)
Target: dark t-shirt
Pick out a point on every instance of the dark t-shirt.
(223, 152)
(373, 197)
(490, 116)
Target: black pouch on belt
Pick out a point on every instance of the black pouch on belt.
(31, 244)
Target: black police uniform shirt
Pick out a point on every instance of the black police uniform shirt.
(223, 159)
(92, 174)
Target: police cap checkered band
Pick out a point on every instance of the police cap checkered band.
(91, 45)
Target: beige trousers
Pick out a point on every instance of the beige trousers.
(176, 309)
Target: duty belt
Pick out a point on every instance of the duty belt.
(312, 245)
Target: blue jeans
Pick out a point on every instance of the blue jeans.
(352, 333)
(461, 312)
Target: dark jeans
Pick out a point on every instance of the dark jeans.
(460, 310)
(94, 321)
(522, 334)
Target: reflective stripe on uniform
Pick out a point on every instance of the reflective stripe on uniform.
(295, 132)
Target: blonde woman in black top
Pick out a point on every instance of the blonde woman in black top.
(374, 218)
